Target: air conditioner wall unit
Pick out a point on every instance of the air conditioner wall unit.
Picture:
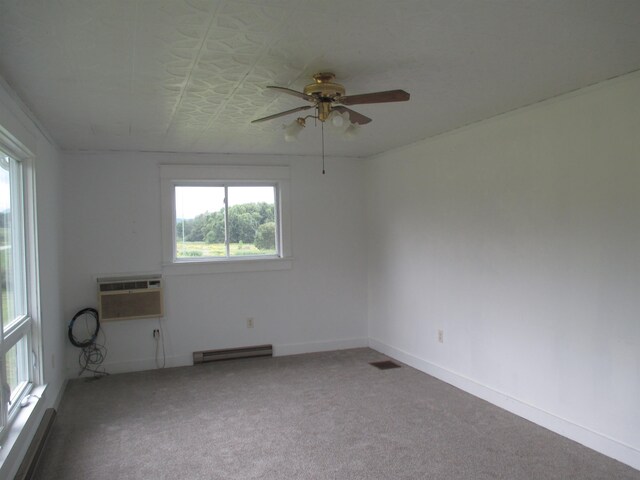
(128, 298)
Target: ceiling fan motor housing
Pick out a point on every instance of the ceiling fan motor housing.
(325, 91)
(324, 87)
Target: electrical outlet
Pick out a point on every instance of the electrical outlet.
(156, 333)
(441, 336)
(250, 322)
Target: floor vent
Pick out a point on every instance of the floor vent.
(30, 461)
(232, 353)
(385, 365)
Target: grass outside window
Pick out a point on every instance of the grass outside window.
(203, 249)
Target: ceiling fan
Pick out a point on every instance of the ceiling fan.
(327, 96)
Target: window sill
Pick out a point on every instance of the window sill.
(228, 266)
(17, 437)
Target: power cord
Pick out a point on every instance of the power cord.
(158, 336)
(92, 356)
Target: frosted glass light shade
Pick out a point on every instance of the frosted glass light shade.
(338, 121)
(351, 131)
(292, 130)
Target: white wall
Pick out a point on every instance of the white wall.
(112, 206)
(519, 237)
(15, 120)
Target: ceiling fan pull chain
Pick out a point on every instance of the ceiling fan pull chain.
(322, 123)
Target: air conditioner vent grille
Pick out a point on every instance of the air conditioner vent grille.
(129, 298)
(110, 287)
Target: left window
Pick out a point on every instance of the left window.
(16, 338)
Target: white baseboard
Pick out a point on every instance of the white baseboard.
(325, 346)
(142, 364)
(578, 433)
(139, 365)
(56, 401)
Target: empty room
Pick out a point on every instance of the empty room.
(295, 239)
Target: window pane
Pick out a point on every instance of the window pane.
(17, 370)
(200, 224)
(11, 238)
(252, 225)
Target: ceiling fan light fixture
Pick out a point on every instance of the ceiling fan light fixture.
(339, 120)
(292, 130)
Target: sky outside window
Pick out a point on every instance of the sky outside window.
(193, 201)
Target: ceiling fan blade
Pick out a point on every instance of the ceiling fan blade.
(301, 95)
(281, 114)
(354, 116)
(376, 97)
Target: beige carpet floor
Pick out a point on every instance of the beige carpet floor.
(317, 416)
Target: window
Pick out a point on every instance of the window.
(225, 221)
(214, 214)
(17, 370)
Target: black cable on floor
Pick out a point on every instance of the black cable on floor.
(92, 353)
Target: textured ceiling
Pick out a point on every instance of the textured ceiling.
(189, 75)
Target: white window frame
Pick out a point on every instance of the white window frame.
(172, 176)
(27, 326)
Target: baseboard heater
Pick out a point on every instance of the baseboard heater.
(232, 353)
(30, 461)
